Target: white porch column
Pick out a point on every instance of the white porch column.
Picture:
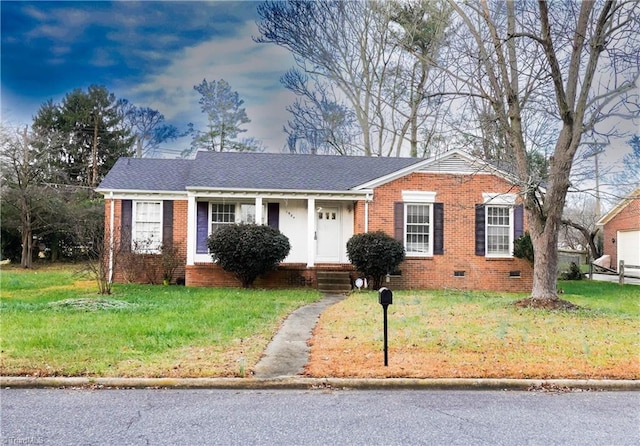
(258, 210)
(112, 227)
(311, 231)
(191, 228)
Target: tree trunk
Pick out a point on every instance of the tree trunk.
(545, 265)
(27, 249)
(26, 260)
(546, 218)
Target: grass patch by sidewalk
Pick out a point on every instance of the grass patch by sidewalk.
(482, 335)
(54, 324)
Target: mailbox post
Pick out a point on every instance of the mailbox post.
(385, 298)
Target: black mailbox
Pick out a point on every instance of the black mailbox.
(385, 296)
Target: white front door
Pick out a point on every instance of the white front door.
(328, 223)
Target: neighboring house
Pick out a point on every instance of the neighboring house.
(457, 216)
(621, 231)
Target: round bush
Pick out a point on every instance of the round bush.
(375, 255)
(248, 250)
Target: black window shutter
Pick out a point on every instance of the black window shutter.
(167, 223)
(202, 227)
(480, 229)
(273, 215)
(398, 221)
(518, 221)
(438, 228)
(126, 210)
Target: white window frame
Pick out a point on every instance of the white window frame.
(498, 200)
(210, 216)
(237, 213)
(418, 198)
(498, 254)
(155, 247)
(429, 234)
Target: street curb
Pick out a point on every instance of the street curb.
(301, 383)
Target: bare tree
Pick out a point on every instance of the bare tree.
(22, 170)
(421, 35)
(579, 230)
(148, 126)
(319, 124)
(225, 118)
(348, 44)
(529, 59)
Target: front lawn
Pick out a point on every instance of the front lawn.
(55, 324)
(483, 335)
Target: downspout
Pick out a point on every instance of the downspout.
(111, 237)
(366, 213)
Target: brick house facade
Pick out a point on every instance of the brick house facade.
(456, 215)
(621, 231)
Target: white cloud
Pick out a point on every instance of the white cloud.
(253, 70)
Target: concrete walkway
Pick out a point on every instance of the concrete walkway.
(288, 351)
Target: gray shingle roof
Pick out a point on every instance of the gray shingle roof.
(262, 171)
(148, 174)
(288, 171)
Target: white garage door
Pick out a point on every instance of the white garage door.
(629, 247)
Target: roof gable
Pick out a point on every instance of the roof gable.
(635, 195)
(453, 162)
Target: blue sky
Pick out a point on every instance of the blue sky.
(149, 52)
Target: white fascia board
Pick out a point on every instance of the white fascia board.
(606, 218)
(390, 177)
(121, 194)
(204, 192)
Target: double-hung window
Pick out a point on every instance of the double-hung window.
(499, 221)
(147, 226)
(230, 213)
(418, 222)
(418, 228)
(221, 215)
(499, 231)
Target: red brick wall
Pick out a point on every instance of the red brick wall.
(627, 219)
(122, 261)
(460, 194)
(180, 234)
(286, 276)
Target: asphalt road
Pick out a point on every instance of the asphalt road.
(313, 417)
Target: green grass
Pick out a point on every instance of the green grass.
(603, 297)
(54, 323)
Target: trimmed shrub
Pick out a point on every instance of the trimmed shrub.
(375, 254)
(248, 250)
(523, 247)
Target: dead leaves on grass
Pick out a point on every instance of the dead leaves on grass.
(467, 341)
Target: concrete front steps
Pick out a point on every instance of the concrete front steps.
(334, 282)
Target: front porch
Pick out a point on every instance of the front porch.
(288, 275)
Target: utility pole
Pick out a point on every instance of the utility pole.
(598, 149)
(94, 152)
